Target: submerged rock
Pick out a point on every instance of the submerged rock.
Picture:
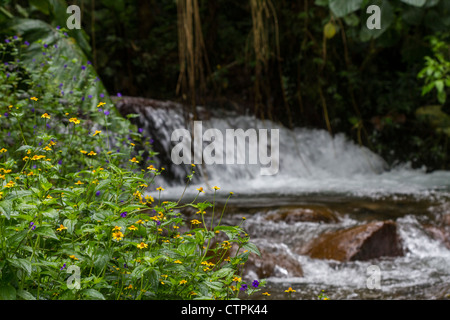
(272, 264)
(307, 214)
(364, 242)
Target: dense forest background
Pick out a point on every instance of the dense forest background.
(308, 63)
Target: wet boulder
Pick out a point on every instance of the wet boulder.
(440, 231)
(303, 214)
(363, 242)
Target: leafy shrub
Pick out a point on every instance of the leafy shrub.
(72, 199)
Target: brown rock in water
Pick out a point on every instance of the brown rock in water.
(307, 214)
(439, 233)
(266, 265)
(364, 242)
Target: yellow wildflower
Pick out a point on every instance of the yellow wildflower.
(289, 290)
(117, 235)
(183, 281)
(142, 245)
(74, 120)
(34, 98)
(61, 228)
(92, 153)
(134, 160)
(46, 116)
(96, 133)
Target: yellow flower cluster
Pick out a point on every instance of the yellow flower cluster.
(10, 184)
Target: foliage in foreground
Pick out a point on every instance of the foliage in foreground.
(71, 199)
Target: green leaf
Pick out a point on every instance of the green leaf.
(6, 208)
(186, 248)
(93, 294)
(416, 3)
(252, 248)
(139, 271)
(222, 273)
(25, 295)
(21, 264)
(46, 232)
(102, 258)
(44, 183)
(215, 285)
(7, 292)
(70, 225)
(342, 8)
(24, 147)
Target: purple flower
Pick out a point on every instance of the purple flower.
(90, 96)
(7, 40)
(65, 66)
(60, 162)
(89, 62)
(106, 113)
(140, 130)
(58, 27)
(64, 265)
(158, 222)
(82, 98)
(45, 45)
(124, 214)
(16, 37)
(6, 114)
(100, 110)
(7, 75)
(97, 194)
(32, 226)
(244, 287)
(83, 67)
(119, 94)
(65, 33)
(102, 95)
(151, 140)
(26, 43)
(56, 46)
(255, 284)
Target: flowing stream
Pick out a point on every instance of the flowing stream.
(317, 170)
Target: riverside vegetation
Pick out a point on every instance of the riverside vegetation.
(72, 194)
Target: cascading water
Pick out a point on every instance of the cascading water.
(316, 169)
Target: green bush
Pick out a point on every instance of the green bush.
(71, 199)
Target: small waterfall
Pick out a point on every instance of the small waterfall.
(310, 160)
(314, 170)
